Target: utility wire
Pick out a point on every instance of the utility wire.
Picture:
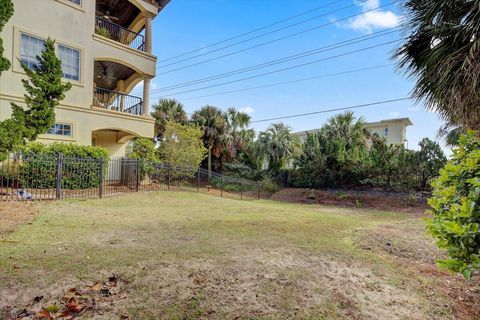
(252, 31)
(288, 68)
(282, 60)
(333, 110)
(274, 40)
(291, 81)
(262, 35)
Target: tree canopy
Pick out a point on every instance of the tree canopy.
(442, 53)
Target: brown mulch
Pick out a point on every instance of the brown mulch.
(13, 214)
(379, 200)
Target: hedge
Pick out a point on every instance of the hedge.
(80, 169)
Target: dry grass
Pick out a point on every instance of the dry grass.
(185, 255)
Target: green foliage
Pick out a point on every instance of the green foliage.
(40, 165)
(6, 12)
(45, 90)
(166, 110)
(238, 170)
(277, 146)
(144, 150)
(182, 146)
(442, 53)
(456, 208)
(338, 156)
(267, 184)
(225, 135)
(335, 155)
(102, 31)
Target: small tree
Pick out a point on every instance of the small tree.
(182, 145)
(456, 208)
(144, 150)
(45, 90)
(167, 110)
(430, 159)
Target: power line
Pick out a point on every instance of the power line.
(261, 35)
(290, 82)
(252, 31)
(282, 60)
(333, 110)
(288, 68)
(274, 40)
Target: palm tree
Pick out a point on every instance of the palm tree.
(167, 110)
(236, 135)
(277, 145)
(346, 127)
(344, 140)
(212, 121)
(443, 53)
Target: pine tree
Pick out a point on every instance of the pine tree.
(6, 11)
(45, 90)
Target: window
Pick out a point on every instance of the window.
(61, 129)
(79, 2)
(30, 48)
(70, 62)
(385, 131)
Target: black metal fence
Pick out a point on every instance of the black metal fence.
(60, 177)
(120, 34)
(112, 100)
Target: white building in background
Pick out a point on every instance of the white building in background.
(393, 130)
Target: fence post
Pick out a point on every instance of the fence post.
(138, 175)
(221, 185)
(241, 190)
(258, 191)
(58, 192)
(100, 176)
(168, 178)
(198, 180)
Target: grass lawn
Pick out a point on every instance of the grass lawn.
(180, 255)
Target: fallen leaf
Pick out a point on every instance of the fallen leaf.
(73, 306)
(96, 286)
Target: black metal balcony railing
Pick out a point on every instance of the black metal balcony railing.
(116, 101)
(120, 34)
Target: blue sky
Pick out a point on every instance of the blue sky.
(186, 25)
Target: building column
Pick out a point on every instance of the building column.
(148, 33)
(146, 96)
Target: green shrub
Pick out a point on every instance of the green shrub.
(102, 31)
(80, 169)
(267, 184)
(456, 208)
(231, 186)
(144, 149)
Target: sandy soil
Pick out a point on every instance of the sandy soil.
(13, 214)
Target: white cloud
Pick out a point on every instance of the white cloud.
(414, 108)
(376, 19)
(247, 110)
(394, 114)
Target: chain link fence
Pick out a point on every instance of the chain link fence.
(58, 177)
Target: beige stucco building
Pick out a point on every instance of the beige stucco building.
(393, 130)
(106, 50)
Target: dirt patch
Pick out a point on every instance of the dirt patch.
(255, 284)
(13, 214)
(81, 302)
(411, 248)
(388, 201)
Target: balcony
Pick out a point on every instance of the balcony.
(116, 32)
(117, 101)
